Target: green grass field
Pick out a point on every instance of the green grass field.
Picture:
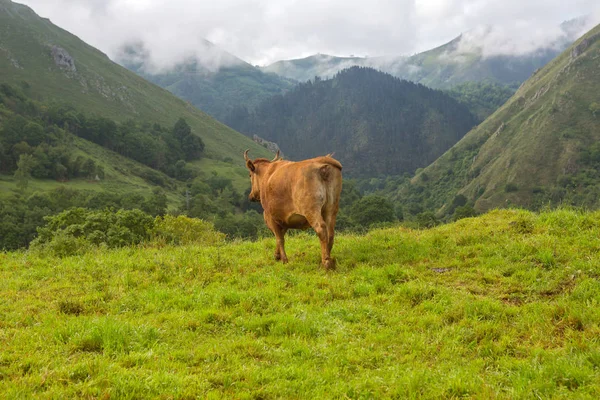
(504, 306)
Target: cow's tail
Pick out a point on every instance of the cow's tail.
(328, 170)
(331, 176)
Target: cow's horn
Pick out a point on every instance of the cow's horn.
(276, 157)
(246, 155)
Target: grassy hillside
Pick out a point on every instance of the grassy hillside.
(375, 123)
(123, 175)
(539, 148)
(94, 84)
(501, 306)
(216, 91)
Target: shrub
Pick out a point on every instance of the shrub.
(75, 230)
(372, 209)
(427, 219)
(63, 245)
(184, 230)
(465, 211)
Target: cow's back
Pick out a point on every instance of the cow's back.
(300, 187)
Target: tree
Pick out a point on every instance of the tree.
(192, 147)
(427, 219)
(218, 183)
(157, 203)
(465, 211)
(181, 130)
(191, 144)
(88, 169)
(33, 133)
(23, 174)
(372, 209)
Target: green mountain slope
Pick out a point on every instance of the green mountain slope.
(215, 89)
(540, 147)
(60, 67)
(375, 123)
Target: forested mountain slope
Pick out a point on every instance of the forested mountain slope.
(375, 124)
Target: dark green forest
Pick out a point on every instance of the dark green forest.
(375, 124)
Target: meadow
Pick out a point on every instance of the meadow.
(502, 306)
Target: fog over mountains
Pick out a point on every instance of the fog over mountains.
(485, 53)
(262, 33)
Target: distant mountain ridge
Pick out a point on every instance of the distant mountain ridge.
(210, 78)
(463, 59)
(375, 123)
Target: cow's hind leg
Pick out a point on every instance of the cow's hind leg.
(330, 222)
(280, 247)
(318, 224)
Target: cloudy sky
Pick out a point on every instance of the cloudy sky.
(264, 31)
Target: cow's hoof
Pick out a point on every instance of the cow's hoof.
(277, 256)
(329, 264)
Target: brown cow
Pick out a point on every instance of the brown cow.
(298, 195)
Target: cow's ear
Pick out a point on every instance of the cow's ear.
(250, 165)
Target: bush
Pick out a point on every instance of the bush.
(372, 209)
(74, 230)
(249, 225)
(466, 211)
(427, 219)
(184, 230)
(63, 245)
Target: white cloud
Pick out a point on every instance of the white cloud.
(263, 31)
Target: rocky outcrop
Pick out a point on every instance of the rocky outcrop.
(9, 56)
(585, 43)
(271, 146)
(63, 59)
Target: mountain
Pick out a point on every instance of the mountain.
(321, 65)
(375, 123)
(211, 79)
(78, 130)
(476, 56)
(541, 147)
(57, 67)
